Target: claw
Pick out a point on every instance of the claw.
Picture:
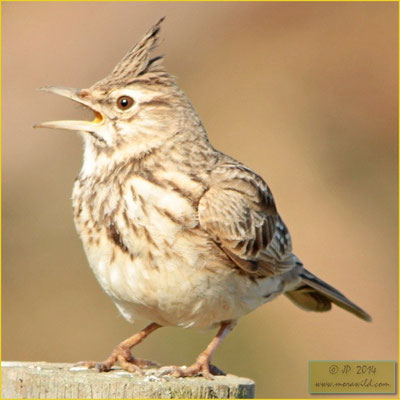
(125, 361)
(122, 355)
(102, 367)
(203, 365)
(208, 371)
(129, 365)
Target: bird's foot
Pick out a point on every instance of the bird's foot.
(125, 360)
(201, 367)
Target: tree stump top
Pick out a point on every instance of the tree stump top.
(66, 381)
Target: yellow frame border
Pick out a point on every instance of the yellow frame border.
(331, 397)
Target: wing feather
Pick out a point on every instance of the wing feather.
(239, 213)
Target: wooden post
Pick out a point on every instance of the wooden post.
(22, 380)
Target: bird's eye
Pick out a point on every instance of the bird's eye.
(125, 102)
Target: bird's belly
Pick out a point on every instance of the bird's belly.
(156, 264)
(178, 289)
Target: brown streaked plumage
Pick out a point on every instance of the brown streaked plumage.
(175, 231)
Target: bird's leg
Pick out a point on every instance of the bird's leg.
(203, 362)
(122, 354)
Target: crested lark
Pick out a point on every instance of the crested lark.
(175, 231)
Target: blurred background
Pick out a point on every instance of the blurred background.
(303, 93)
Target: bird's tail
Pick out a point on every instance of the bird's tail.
(313, 294)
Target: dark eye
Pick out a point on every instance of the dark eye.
(125, 102)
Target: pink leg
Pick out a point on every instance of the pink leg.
(203, 362)
(122, 354)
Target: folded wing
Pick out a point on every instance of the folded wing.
(239, 213)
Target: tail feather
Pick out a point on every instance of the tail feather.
(314, 294)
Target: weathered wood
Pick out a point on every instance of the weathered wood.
(23, 380)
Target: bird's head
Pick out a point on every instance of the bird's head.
(137, 106)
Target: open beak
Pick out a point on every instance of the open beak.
(80, 96)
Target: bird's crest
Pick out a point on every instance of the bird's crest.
(137, 65)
